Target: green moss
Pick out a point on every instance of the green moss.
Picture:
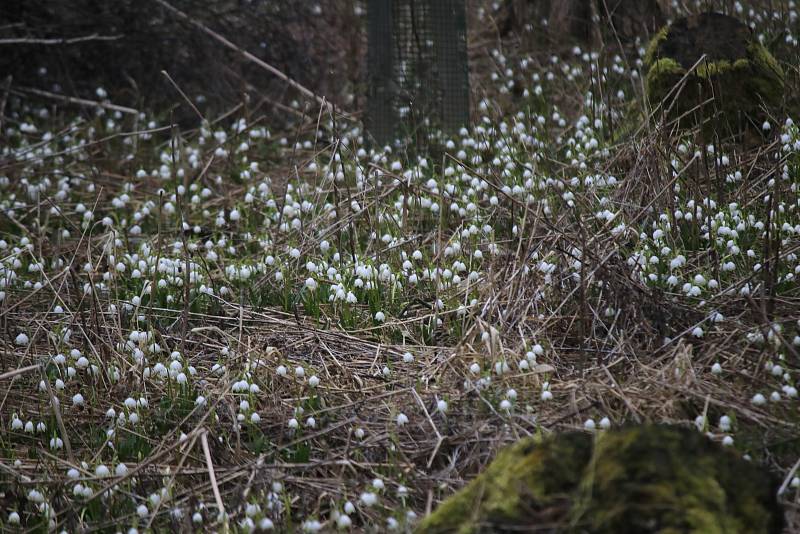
(636, 480)
(662, 77)
(765, 61)
(708, 69)
(652, 48)
(736, 92)
(684, 490)
(768, 79)
(524, 478)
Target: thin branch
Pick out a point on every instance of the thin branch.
(19, 371)
(247, 55)
(211, 475)
(78, 101)
(61, 40)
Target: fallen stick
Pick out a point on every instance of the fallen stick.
(78, 101)
(19, 371)
(59, 41)
(211, 475)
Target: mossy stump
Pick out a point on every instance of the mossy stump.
(646, 479)
(710, 70)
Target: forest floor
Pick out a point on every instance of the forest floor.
(264, 327)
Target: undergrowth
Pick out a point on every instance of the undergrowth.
(252, 326)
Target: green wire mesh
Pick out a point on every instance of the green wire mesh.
(417, 67)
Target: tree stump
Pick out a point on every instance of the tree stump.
(710, 70)
(644, 479)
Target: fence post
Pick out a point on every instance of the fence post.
(381, 115)
(450, 39)
(417, 71)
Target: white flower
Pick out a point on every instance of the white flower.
(77, 400)
(716, 369)
(700, 422)
(546, 395)
(501, 367)
(368, 498)
(312, 525)
(589, 425)
(727, 441)
(408, 357)
(102, 471)
(605, 423)
(16, 423)
(441, 405)
(758, 399)
(380, 317)
(313, 381)
(725, 423)
(21, 339)
(402, 419)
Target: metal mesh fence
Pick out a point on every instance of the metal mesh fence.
(417, 67)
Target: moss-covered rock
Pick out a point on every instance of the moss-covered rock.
(635, 480)
(730, 78)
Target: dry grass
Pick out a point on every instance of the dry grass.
(613, 344)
